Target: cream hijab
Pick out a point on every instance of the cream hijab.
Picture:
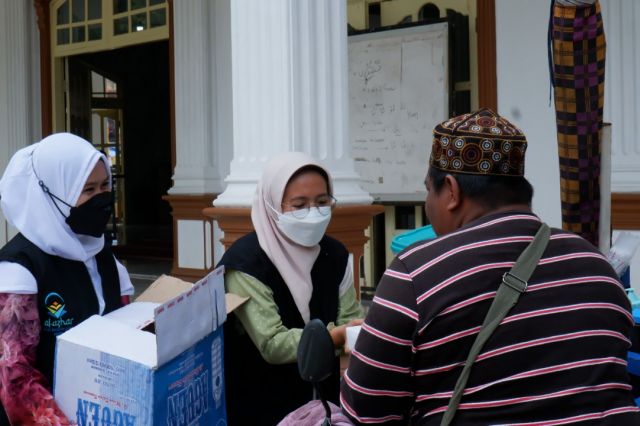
(63, 162)
(293, 261)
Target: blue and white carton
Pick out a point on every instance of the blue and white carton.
(112, 370)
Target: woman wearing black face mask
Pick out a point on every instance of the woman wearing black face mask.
(57, 271)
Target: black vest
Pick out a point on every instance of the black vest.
(262, 393)
(65, 292)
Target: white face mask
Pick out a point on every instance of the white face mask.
(307, 231)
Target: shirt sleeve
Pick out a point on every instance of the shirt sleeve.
(349, 307)
(24, 390)
(347, 278)
(16, 279)
(259, 317)
(126, 286)
(377, 385)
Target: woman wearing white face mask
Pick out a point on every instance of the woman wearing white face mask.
(57, 271)
(292, 273)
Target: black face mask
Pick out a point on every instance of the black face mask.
(90, 217)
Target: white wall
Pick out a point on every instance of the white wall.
(622, 90)
(621, 95)
(523, 96)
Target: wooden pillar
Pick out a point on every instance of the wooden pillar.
(625, 211)
(487, 77)
(44, 28)
(193, 241)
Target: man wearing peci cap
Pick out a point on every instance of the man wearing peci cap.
(557, 357)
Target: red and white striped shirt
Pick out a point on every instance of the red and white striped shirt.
(558, 357)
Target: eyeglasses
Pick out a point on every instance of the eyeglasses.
(324, 205)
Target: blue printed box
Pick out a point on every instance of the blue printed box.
(111, 370)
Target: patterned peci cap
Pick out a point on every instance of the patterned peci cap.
(479, 143)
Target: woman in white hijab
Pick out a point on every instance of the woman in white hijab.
(292, 273)
(57, 271)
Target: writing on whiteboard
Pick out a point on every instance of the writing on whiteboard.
(398, 91)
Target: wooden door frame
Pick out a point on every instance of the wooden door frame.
(46, 108)
(487, 74)
(42, 9)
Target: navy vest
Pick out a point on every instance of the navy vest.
(258, 392)
(65, 293)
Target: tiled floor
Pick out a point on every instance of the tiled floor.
(145, 271)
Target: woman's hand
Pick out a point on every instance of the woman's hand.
(339, 333)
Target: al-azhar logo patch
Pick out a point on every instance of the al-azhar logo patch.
(55, 305)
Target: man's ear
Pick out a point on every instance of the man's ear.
(453, 193)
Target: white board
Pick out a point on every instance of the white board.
(398, 91)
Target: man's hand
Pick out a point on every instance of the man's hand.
(339, 333)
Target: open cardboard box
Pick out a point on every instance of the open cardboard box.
(156, 361)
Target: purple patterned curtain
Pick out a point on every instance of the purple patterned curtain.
(577, 36)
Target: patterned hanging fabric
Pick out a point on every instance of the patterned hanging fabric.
(577, 37)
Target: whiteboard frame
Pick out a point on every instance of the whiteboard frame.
(402, 32)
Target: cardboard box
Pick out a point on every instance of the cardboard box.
(156, 361)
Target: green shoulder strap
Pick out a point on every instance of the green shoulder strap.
(514, 283)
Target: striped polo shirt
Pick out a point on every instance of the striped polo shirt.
(558, 357)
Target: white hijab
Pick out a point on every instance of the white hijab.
(293, 261)
(63, 162)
